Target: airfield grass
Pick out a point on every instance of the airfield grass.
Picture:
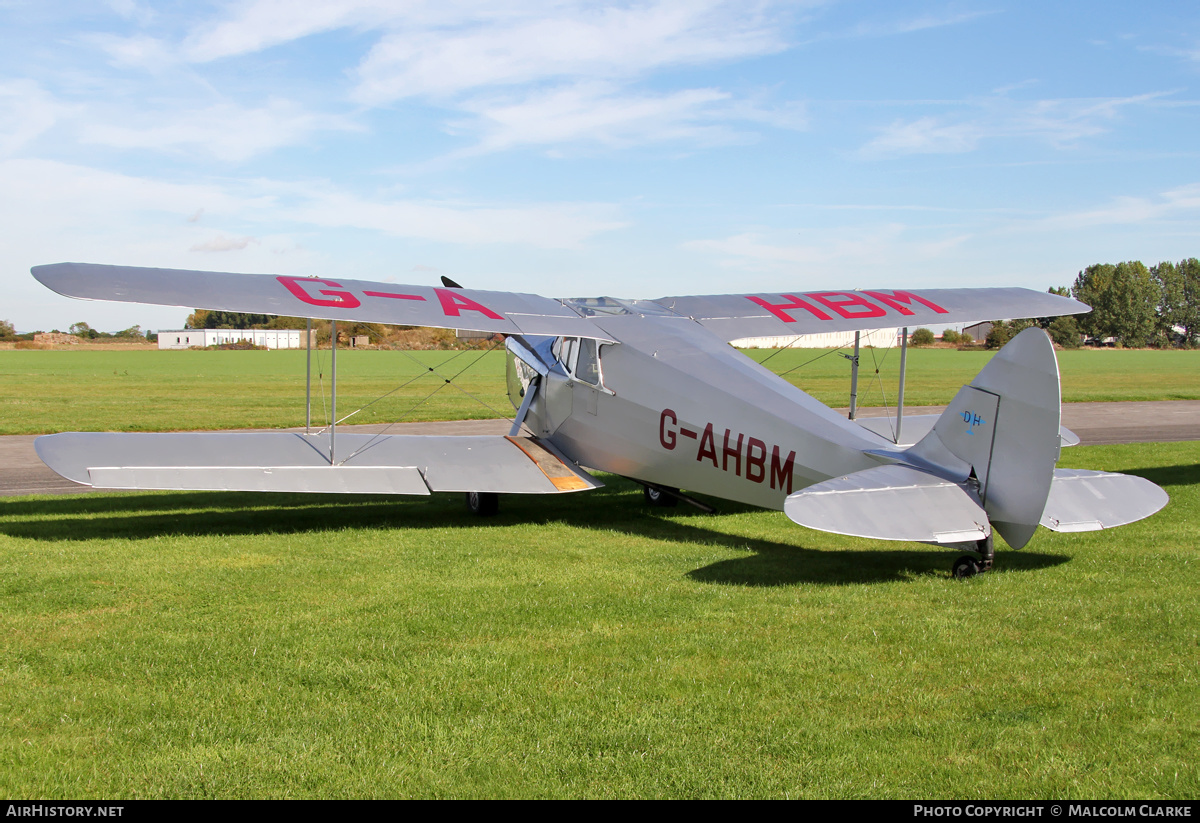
(51, 391)
(235, 645)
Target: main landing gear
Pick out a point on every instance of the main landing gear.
(656, 496)
(967, 566)
(483, 504)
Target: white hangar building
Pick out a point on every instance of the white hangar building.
(880, 338)
(270, 338)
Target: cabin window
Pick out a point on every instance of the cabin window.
(580, 357)
(566, 350)
(587, 366)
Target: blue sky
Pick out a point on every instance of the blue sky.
(573, 148)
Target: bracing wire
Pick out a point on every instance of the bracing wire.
(445, 382)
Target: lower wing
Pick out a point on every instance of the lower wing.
(296, 462)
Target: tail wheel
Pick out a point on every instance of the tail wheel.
(483, 504)
(659, 497)
(967, 566)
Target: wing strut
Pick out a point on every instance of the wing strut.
(903, 366)
(333, 392)
(530, 391)
(854, 381)
(308, 381)
(854, 375)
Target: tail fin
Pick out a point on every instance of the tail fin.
(1000, 434)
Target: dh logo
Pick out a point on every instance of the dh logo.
(972, 420)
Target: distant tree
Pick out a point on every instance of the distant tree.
(1005, 330)
(921, 337)
(7, 331)
(197, 320)
(1090, 286)
(211, 319)
(999, 335)
(950, 336)
(282, 321)
(130, 333)
(1179, 297)
(151, 336)
(374, 331)
(1065, 332)
(1124, 299)
(84, 330)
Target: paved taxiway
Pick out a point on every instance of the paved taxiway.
(21, 472)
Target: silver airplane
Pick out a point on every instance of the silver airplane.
(651, 390)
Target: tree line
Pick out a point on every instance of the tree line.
(1138, 306)
(9, 334)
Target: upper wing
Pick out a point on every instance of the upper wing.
(729, 316)
(353, 300)
(735, 316)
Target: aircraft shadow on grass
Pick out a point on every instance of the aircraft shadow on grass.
(1181, 475)
(616, 507)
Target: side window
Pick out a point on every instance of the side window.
(580, 357)
(566, 350)
(588, 365)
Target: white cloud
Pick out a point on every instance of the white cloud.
(225, 131)
(549, 225)
(561, 40)
(603, 114)
(46, 200)
(138, 50)
(26, 112)
(440, 46)
(523, 71)
(224, 243)
(1126, 211)
(1057, 122)
(880, 28)
(925, 135)
(254, 26)
(863, 248)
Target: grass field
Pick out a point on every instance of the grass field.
(229, 645)
(49, 391)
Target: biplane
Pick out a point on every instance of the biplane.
(651, 390)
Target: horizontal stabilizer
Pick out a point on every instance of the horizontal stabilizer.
(296, 462)
(916, 426)
(1084, 501)
(890, 503)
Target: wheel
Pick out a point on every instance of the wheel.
(964, 567)
(483, 504)
(658, 497)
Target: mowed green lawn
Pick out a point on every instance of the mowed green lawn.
(49, 391)
(233, 645)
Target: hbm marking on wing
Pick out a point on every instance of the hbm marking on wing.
(850, 305)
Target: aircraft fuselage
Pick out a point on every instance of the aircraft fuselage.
(677, 407)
